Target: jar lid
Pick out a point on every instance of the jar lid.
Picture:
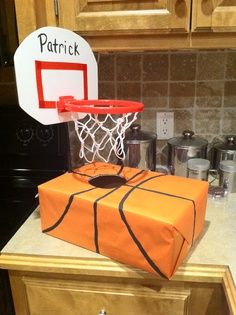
(228, 166)
(228, 145)
(198, 164)
(188, 139)
(136, 135)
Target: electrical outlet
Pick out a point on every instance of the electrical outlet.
(165, 125)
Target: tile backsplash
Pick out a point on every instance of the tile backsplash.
(198, 86)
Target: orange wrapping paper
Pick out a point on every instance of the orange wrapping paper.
(149, 223)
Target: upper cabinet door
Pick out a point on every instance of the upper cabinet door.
(105, 17)
(216, 15)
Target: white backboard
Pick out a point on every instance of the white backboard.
(53, 62)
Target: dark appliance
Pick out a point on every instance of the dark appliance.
(30, 154)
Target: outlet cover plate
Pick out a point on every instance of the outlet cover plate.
(165, 125)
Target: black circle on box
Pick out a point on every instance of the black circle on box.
(107, 181)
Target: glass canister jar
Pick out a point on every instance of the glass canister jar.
(183, 148)
(224, 151)
(198, 168)
(227, 175)
(140, 148)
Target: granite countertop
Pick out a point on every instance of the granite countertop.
(216, 245)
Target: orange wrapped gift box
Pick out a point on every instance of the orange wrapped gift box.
(150, 222)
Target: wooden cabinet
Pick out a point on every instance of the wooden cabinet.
(52, 286)
(121, 25)
(217, 16)
(99, 17)
(55, 295)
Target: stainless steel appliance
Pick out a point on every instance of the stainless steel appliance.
(181, 149)
(224, 151)
(140, 148)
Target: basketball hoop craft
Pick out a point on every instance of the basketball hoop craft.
(138, 217)
(58, 63)
(102, 130)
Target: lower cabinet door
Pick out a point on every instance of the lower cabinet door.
(61, 297)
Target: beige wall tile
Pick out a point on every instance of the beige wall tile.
(183, 121)
(155, 67)
(182, 66)
(209, 93)
(129, 91)
(128, 67)
(155, 94)
(106, 90)
(229, 121)
(207, 121)
(148, 119)
(182, 94)
(231, 66)
(106, 67)
(211, 66)
(230, 94)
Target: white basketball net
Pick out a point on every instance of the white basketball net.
(102, 135)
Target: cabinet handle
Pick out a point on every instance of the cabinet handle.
(102, 312)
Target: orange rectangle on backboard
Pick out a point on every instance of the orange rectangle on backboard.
(57, 68)
(150, 222)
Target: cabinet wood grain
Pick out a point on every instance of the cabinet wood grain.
(217, 16)
(63, 285)
(59, 296)
(125, 17)
(145, 25)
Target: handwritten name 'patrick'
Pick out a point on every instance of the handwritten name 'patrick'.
(57, 48)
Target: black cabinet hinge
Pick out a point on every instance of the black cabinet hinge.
(56, 7)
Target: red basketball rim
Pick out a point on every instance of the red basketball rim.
(102, 106)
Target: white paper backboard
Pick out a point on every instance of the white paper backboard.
(53, 62)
